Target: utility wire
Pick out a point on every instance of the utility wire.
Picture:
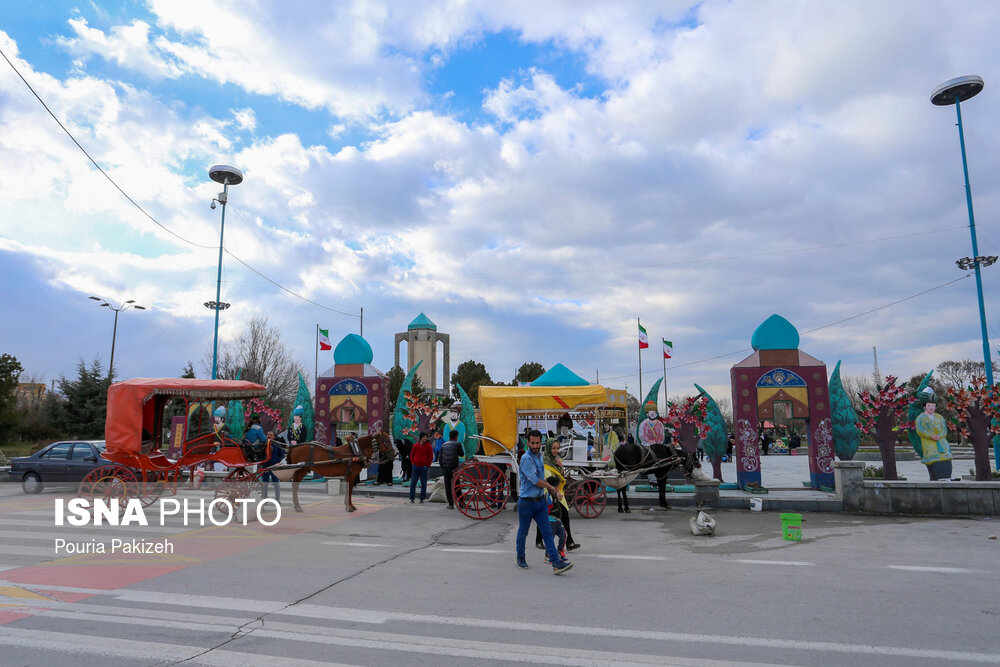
(825, 326)
(282, 287)
(94, 162)
(142, 210)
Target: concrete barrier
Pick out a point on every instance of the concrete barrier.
(878, 496)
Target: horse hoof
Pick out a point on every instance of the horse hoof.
(628, 511)
(298, 509)
(621, 511)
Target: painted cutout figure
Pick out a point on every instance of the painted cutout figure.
(933, 432)
(297, 431)
(651, 431)
(454, 423)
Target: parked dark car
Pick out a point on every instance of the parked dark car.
(66, 462)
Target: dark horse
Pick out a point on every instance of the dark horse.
(657, 459)
(339, 462)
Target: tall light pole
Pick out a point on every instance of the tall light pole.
(221, 173)
(955, 91)
(114, 333)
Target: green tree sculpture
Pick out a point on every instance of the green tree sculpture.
(716, 440)
(304, 399)
(915, 409)
(468, 418)
(401, 424)
(846, 435)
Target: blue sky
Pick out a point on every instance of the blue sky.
(532, 176)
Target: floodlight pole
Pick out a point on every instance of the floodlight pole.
(954, 92)
(218, 284)
(225, 175)
(987, 358)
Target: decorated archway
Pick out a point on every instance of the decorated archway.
(779, 373)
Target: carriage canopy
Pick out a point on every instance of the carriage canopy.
(500, 406)
(133, 405)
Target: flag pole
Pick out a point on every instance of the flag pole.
(666, 403)
(640, 366)
(362, 334)
(316, 351)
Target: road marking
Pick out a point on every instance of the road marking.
(359, 544)
(612, 556)
(387, 641)
(773, 562)
(276, 631)
(48, 587)
(510, 552)
(944, 570)
(63, 642)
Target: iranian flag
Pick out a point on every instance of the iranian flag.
(324, 339)
(668, 349)
(643, 338)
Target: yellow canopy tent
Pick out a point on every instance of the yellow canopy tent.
(499, 407)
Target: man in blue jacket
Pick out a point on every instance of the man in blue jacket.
(532, 505)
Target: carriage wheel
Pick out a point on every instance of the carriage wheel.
(480, 490)
(110, 482)
(590, 498)
(152, 486)
(240, 483)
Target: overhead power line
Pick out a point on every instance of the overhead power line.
(825, 326)
(144, 211)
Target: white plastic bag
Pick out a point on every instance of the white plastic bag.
(702, 525)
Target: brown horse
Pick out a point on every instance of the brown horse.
(343, 462)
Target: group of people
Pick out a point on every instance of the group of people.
(256, 441)
(417, 459)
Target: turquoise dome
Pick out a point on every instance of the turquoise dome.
(775, 333)
(353, 350)
(421, 321)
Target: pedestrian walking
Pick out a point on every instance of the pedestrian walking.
(421, 456)
(449, 458)
(531, 505)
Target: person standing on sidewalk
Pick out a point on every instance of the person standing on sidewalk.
(421, 456)
(449, 458)
(531, 505)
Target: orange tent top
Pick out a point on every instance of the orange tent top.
(130, 408)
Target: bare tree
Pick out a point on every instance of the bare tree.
(960, 374)
(854, 385)
(260, 355)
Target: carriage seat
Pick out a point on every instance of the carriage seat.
(158, 460)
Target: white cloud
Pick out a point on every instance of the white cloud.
(689, 193)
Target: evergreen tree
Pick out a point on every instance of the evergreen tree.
(10, 375)
(83, 413)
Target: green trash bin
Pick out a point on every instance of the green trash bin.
(791, 527)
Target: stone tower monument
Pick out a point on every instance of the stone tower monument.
(421, 338)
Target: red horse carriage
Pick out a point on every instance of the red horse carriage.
(134, 433)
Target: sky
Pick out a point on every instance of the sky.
(532, 176)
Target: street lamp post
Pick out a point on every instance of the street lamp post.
(955, 91)
(114, 333)
(226, 175)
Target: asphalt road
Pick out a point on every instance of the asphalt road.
(419, 584)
